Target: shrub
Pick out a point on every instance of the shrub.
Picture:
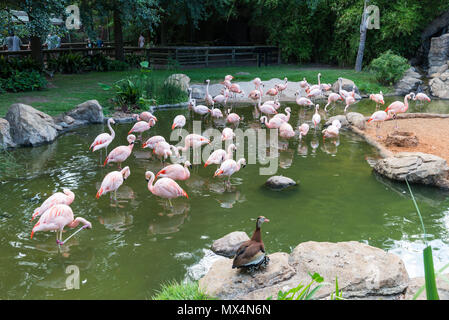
(134, 60)
(97, 62)
(9, 65)
(68, 63)
(389, 67)
(117, 65)
(23, 81)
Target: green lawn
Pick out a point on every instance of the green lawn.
(66, 91)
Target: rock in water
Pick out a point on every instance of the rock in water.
(5, 135)
(417, 167)
(228, 245)
(30, 127)
(87, 112)
(356, 119)
(179, 79)
(280, 183)
(401, 139)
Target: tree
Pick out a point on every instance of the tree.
(363, 30)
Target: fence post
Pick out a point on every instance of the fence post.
(233, 56)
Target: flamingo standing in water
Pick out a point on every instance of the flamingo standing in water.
(272, 92)
(151, 142)
(233, 118)
(378, 98)
(421, 97)
(284, 117)
(316, 119)
(286, 131)
(178, 122)
(112, 181)
(229, 167)
(303, 130)
(398, 107)
(142, 126)
(121, 153)
(165, 187)
(200, 109)
(220, 155)
(64, 197)
(227, 134)
(193, 140)
(302, 101)
(56, 218)
(331, 131)
(208, 98)
(267, 108)
(350, 99)
(304, 84)
(378, 116)
(341, 92)
(176, 171)
(216, 113)
(274, 122)
(332, 98)
(164, 150)
(222, 98)
(104, 139)
(146, 116)
(282, 86)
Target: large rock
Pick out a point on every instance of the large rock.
(179, 79)
(228, 245)
(440, 88)
(30, 127)
(417, 167)
(342, 118)
(87, 112)
(347, 85)
(363, 272)
(410, 81)
(280, 183)
(438, 53)
(5, 135)
(356, 119)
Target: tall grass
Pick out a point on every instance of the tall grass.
(174, 290)
(8, 165)
(429, 272)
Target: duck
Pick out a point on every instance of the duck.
(251, 253)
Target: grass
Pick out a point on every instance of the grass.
(174, 290)
(65, 91)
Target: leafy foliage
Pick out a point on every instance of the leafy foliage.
(174, 290)
(389, 67)
(23, 81)
(68, 63)
(302, 292)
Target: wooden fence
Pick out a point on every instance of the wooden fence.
(163, 57)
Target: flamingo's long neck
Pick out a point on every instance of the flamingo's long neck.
(207, 88)
(112, 130)
(70, 196)
(406, 102)
(77, 221)
(150, 183)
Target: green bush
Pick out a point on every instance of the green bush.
(117, 65)
(9, 65)
(97, 62)
(134, 60)
(68, 63)
(23, 81)
(389, 67)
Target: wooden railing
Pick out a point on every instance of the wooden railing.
(163, 57)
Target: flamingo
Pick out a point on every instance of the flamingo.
(235, 88)
(316, 119)
(56, 218)
(229, 167)
(200, 109)
(220, 155)
(176, 171)
(303, 101)
(112, 181)
(304, 84)
(227, 84)
(314, 93)
(284, 117)
(267, 108)
(378, 98)
(104, 139)
(378, 116)
(333, 97)
(165, 187)
(193, 140)
(341, 92)
(337, 123)
(286, 131)
(227, 134)
(151, 142)
(146, 116)
(282, 86)
(315, 86)
(64, 197)
(216, 113)
(330, 132)
(121, 153)
(164, 150)
(421, 97)
(350, 99)
(274, 123)
(142, 126)
(178, 122)
(229, 77)
(233, 118)
(190, 101)
(208, 98)
(272, 92)
(398, 107)
(303, 130)
(222, 98)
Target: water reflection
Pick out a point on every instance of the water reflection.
(168, 222)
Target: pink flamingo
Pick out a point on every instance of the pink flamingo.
(220, 155)
(303, 101)
(229, 167)
(227, 134)
(193, 140)
(282, 86)
(164, 150)
(286, 131)
(216, 113)
(176, 171)
(304, 84)
(165, 187)
(303, 130)
(398, 107)
(222, 98)
(104, 139)
(341, 92)
(331, 131)
(200, 109)
(350, 99)
(146, 116)
(64, 197)
(142, 126)
(229, 77)
(316, 119)
(421, 97)
(233, 118)
(178, 122)
(151, 142)
(284, 117)
(274, 123)
(267, 108)
(333, 97)
(378, 116)
(56, 218)
(121, 153)
(315, 86)
(209, 100)
(378, 98)
(272, 92)
(112, 181)
(235, 88)
(227, 84)
(314, 93)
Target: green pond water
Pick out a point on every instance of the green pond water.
(139, 242)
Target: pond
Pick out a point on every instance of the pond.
(138, 242)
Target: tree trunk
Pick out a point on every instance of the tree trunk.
(363, 30)
(36, 50)
(118, 36)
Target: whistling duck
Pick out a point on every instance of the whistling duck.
(251, 253)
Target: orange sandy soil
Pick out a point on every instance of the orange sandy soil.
(433, 135)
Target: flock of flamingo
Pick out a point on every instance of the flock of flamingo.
(55, 212)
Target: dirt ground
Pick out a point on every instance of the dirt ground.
(433, 135)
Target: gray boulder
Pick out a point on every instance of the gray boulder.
(342, 118)
(86, 112)
(410, 81)
(5, 135)
(179, 79)
(356, 119)
(416, 283)
(280, 182)
(30, 127)
(347, 85)
(227, 246)
(438, 53)
(417, 167)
